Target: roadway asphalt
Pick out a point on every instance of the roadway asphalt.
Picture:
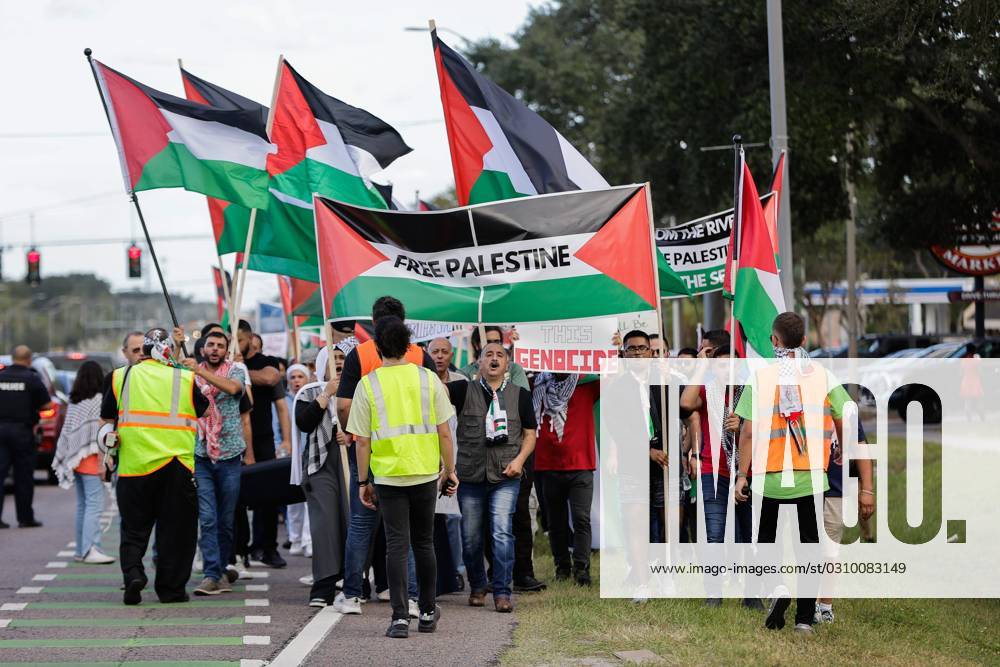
(54, 611)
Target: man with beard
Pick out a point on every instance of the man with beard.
(217, 458)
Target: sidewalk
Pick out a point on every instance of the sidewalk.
(466, 637)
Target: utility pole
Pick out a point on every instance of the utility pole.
(779, 142)
(852, 260)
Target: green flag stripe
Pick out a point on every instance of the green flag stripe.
(492, 186)
(177, 167)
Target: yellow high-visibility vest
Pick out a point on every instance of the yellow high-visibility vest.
(403, 421)
(156, 417)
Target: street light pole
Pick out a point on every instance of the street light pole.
(779, 142)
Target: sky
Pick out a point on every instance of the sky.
(59, 160)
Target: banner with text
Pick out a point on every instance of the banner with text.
(698, 250)
(577, 346)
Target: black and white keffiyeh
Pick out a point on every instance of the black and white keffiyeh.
(551, 399)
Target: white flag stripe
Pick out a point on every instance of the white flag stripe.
(575, 269)
(211, 140)
(578, 169)
(334, 152)
(502, 157)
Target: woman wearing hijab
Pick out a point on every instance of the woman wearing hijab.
(77, 461)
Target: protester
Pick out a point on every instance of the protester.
(795, 379)
(267, 391)
(566, 456)
(360, 361)
(155, 466)
(22, 395)
(218, 460)
(715, 472)
(400, 418)
(496, 435)
(493, 335)
(77, 461)
(833, 511)
(443, 354)
(323, 481)
(656, 346)
(712, 339)
(296, 515)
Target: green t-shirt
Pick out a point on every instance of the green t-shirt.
(801, 479)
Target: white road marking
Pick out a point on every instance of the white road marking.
(57, 564)
(252, 663)
(13, 606)
(256, 588)
(309, 637)
(29, 590)
(71, 545)
(4, 622)
(256, 640)
(44, 577)
(66, 554)
(252, 602)
(256, 619)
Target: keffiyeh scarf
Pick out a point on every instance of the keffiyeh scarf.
(78, 438)
(551, 399)
(211, 421)
(790, 365)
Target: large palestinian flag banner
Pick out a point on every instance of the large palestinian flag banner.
(501, 149)
(554, 257)
(230, 222)
(169, 142)
(325, 146)
(751, 278)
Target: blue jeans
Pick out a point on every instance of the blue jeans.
(360, 536)
(218, 491)
(89, 505)
(715, 499)
(500, 500)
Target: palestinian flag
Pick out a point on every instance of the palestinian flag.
(773, 205)
(168, 142)
(561, 256)
(501, 149)
(751, 273)
(325, 146)
(230, 222)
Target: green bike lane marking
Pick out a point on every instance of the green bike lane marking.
(35, 590)
(122, 622)
(135, 642)
(133, 663)
(248, 602)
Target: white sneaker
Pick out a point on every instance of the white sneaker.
(414, 609)
(296, 549)
(339, 585)
(306, 580)
(96, 557)
(307, 551)
(347, 605)
(823, 616)
(383, 596)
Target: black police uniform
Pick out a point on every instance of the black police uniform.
(22, 395)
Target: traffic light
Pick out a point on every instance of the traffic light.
(134, 261)
(34, 276)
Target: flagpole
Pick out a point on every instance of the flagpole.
(135, 201)
(734, 261)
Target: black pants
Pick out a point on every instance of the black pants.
(18, 450)
(408, 515)
(265, 517)
(805, 607)
(524, 540)
(167, 498)
(576, 488)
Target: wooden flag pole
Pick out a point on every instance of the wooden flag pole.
(132, 196)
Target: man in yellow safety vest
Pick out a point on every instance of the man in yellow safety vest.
(150, 417)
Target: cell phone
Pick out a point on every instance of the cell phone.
(446, 487)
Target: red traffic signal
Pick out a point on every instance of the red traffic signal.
(134, 261)
(34, 276)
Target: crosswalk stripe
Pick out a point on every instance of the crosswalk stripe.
(29, 590)
(13, 606)
(57, 564)
(256, 619)
(44, 577)
(256, 640)
(66, 554)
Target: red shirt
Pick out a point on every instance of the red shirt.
(577, 450)
(707, 462)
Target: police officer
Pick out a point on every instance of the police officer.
(22, 395)
(400, 416)
(154, 408)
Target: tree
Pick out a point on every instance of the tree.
(639, 85)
